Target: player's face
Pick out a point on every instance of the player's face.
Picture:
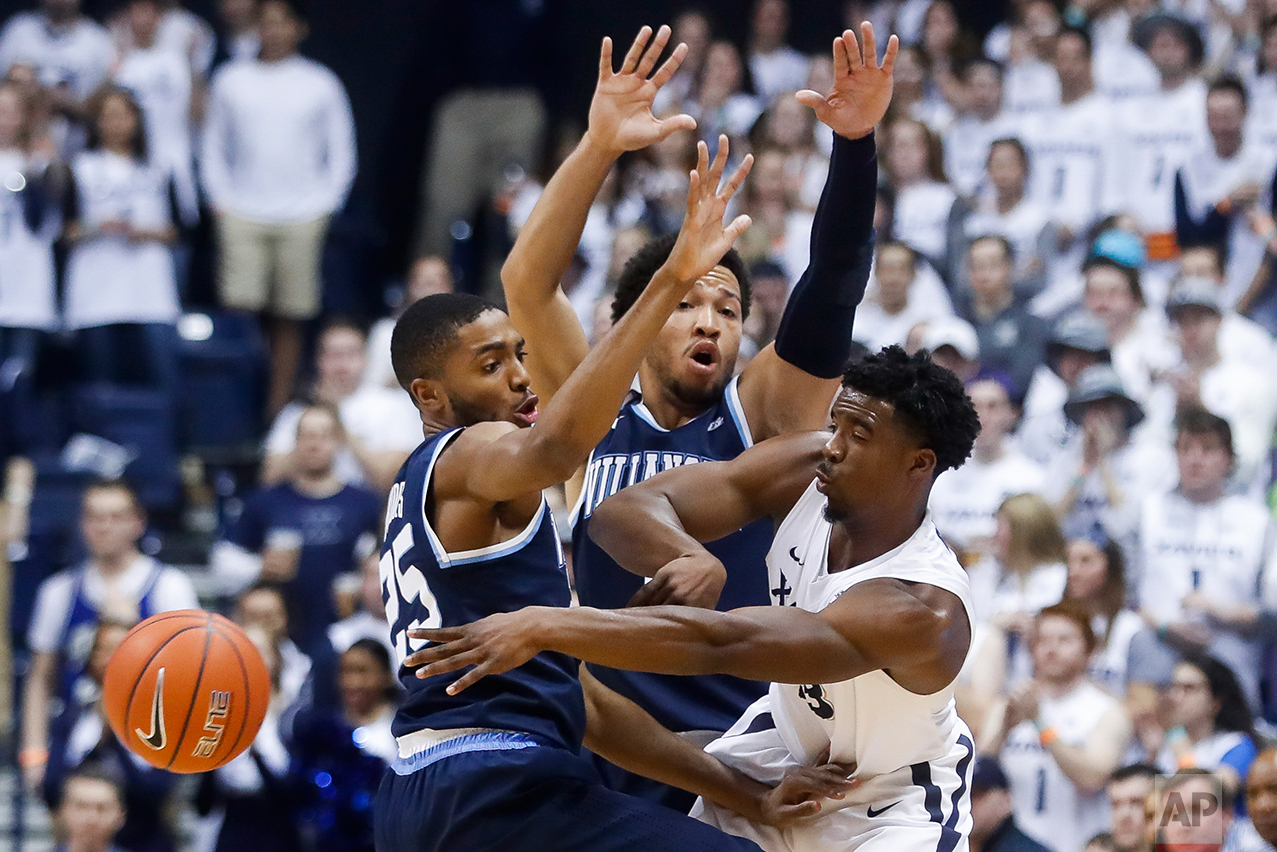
(694, 354)
(1189, 700)
(1059, 650)
(1088, 569)
(1261, 797)
(484, 375)
(318, 439)
(867, 458)
(90, 813)
(1129, 801)
(341, 361)
(1204, 462)
(110, 523)
(994, 409)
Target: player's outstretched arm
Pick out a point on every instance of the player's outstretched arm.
(620, 120)
(495, 462)
(788, 386)
(655, 528)
(918, 633)
(624, 733)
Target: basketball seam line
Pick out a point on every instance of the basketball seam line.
(128, 708)
(248, 689)
(199, 678)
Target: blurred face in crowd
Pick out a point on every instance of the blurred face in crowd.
(722, 70)
(117, 123)
(111, 522)
(1072, 63)
(994, 408)
(1007, 169)
(694, 355)
(12, 116)
(1108, 295)
(1129, 801)
(1261, 795)
(990, 270)
(939, 28)
(789, 125)
(90, 813)
(894, 273)
(143, 18)
(238, 14)
(1059, 650)
(1204, 464)
(1196, 328)
(370, 586)
(1202, 827)
(263, 609)
(340, 362)
(985, 86)
(1200, 262)
(280, 30)
(770, 182)
(1225, 119)
(1189, 700)
(1069, 363)
(429, 276)
(108, 637)
(61, 10)
(364, 682)
(319, 437)
(1088, 569)
(1105, 416)
(907, 153)
(770, 22)
(1169, 53)
(692, 29)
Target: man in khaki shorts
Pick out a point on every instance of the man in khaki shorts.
(278, 160)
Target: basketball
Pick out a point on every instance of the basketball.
(186, 691)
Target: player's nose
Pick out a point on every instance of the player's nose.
(707, 322)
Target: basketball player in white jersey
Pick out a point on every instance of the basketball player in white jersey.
(871, 622)
(1060, 736)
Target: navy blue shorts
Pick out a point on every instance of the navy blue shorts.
(537, 799)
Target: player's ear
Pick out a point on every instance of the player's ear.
(923, 464)
(429, 397)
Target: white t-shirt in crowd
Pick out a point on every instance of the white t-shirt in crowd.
(279, 141)
(78, 55)
(778, 73)
(160, 79)
(966, 148)
(922, 217)
(1158, 134)
(964, 501)
(28, 297)
(1071, 151)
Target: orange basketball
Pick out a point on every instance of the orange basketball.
(186, 691)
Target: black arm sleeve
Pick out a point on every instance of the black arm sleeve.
(815, 331)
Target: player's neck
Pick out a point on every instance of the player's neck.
(855, 542)
(666, 409)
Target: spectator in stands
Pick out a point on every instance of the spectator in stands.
(369, 620)
(90, 814)
(790, 128)
(278, 158)
(947, 47)
(427, 276)
(769, 289)
(726, 102)
(70, 53)
(1099, 479)
(120, 283)
(951, 342)
(693, 28)
(780, 230)
(178, 31)
(1078, 340)
(893, 304)
(1137, 339)
(1012, 339)
(1060, 736)
(1203, 553)
(964, 502)
(381, 427)
(1193, 812)
(1031, 83)
(1097, 581)
(338, 757)
(236, 31)
(1240, 337)
(993, 827)
(1211, 726)
(777, 69)
(967, 141)
(914, 165)
(1260, 76)
(303, 532)
(81, 740)
(914, 96)
(1218, 184)
(1261, 797)
(116, 581)
(262, 607)
(1130, 789)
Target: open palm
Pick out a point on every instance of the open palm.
(862, 87)
(621, 116)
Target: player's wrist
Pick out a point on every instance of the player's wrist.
(597, 147)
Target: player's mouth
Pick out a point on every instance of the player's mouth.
(822, 479)
(703, 358)
(527, 413)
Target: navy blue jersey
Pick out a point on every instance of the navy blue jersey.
(637, 449)
(425, 586)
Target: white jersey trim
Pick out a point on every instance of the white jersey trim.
(732, 396)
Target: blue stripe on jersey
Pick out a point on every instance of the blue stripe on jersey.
(424, 586)
(637, 449)
(949, 837)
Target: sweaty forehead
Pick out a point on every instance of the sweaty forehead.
(850, 401)
(720, 281)
(492, 327)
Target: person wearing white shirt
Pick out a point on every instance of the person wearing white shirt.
(278, 159)
(1240, 337)
(1206, 555)
(776, 67)
(70, 52)
(893, 304)
(967, 141)
(1078, 340)
(1137, 335)
(915, 164)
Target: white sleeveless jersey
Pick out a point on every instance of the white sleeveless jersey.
(870, 720)
(1047, 805)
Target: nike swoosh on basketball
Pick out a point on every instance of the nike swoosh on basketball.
(870, 812)
(156, 738)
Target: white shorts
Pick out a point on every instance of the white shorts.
(925, 807)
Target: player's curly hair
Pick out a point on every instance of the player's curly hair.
(925, 396)
(640, 268)
(427, 331)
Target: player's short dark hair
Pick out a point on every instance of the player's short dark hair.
(1080, 33)
(1076, 612)
(427, 331)
(1134, 770)
(640, 268)
(1195, 420)
(1230, 83)
(924, 396)
(1131, 273)
(1007, 248)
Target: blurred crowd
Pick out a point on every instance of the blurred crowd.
(1075, 214)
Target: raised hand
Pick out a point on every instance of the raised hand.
(862, 87)
(621, 116)
(703, 239)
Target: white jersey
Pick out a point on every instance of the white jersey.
(964, 501)
(1071, 149)
(922, 217)
(27, 295)
(909, 750)
(1048, 806)
(1159, 133)
(1110, 664)
(966, 148)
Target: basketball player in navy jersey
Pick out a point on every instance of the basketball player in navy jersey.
(870, 624)
(686, 407)
(468, 533)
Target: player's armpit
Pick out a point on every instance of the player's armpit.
(780, 398)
